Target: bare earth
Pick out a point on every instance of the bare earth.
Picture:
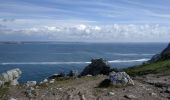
(150, 87)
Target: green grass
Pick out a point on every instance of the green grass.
(4, 90)
(153, 68)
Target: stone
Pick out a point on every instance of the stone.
(130, 96)
(31, 93)
(82, 97)
(97, 66)
(153, 94)
(69, 97)
(168, 90)
(10, 76)
(52, 81)
(2, 83)
(11, 98)
(120, 79)
(111, 93)
(44, 81)
(88, 75)
(31, 83)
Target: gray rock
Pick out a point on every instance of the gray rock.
(11, 76)
(2, 83)
(82, 97)
(44, 81)
(120, 79)
(31, 93)
(12, 98)
(69, 97)
(153, 94)
(111, 93)
(52, 81)
(168, 90)
(130, 96)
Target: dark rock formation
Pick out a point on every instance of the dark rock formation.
(97, 66)
(155, 58)
(164, 55)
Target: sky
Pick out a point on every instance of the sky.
(85, 20)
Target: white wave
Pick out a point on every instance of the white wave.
(42, 63)
(132, 54)
(128, 61)
(56, 63)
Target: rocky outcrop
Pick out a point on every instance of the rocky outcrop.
(155, 58)
(164, 55)
(120, 79)
(10, 76)
(97, 66)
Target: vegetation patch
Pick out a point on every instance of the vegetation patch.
(4, 90)
(152, 68)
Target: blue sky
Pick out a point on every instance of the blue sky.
(85, 20)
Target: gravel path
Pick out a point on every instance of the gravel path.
(150, 87)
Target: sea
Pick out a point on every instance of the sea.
(39, 60)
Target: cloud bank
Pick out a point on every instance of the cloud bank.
(88, 32)
(85, 20)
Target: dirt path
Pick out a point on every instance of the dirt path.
(86, 88)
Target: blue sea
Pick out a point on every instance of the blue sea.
(40, 60)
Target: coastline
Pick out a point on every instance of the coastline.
(148, 81)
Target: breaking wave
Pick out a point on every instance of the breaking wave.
(132, 54)
(56, 63)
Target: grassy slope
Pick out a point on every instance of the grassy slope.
(157, 67)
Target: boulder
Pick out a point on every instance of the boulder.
(120, 79)
(97, 66)
(10, 76)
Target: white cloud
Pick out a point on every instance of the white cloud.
(106, 33)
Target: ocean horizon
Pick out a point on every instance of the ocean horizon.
(42, 59)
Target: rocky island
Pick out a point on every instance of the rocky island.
(98, 81)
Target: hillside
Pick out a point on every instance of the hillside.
(159, 63)
(162, 67)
